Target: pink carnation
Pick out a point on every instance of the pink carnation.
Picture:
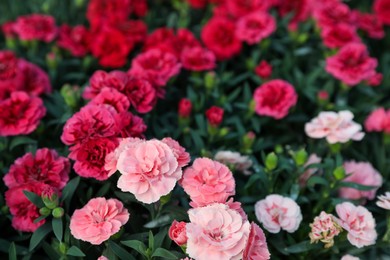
(36, 27)
(198, 59)
(208, 181)
(339, 35)
(364, 174)
(276, 212)
(335, 127)
(141, 94)
(358, 222)
(275, 98)
(256, 247)
(378, 121)
(100, 79)
(313, 159)
(384, 201)
(74, 39)
(183, 158)
(216, 232)
(324, 228)
(98, 220)
(349, 257)
(352, 64)
(113, 97)
(149, 170)
(20, 114)
(254, 27)
(177, 232)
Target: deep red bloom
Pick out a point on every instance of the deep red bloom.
(130, 125)
(156, 66)
(214, 115)
(8, 29)
(264, 69)
(370, 24)
(185, 107)
(134, 30)
(113, 97)
(339, 35)
(162, 39)
(20, 114)
(382, 10)
(219, 36)
(111, 12)
(352, 64)
(254, 27)
(8, 62)
(111, 47)
(76, 40)
(101, 79)
(375, 80)
(332, 13)
(36, 27)
(46, 166)
(24, 212)
(239, 8)
(141, 94)
(35, 80)
(198, 4)
(198, 59)
(275, 98)
(140, 7)
(300, 8)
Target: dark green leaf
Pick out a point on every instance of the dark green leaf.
(136, 245)
(12, 252)
(301, 247)
(34, 198)
(58, 228)
(317, 180)
(161, 252)
(68, 191)
(356, 186)
(75, 251)
(39, 235)
(20, 140)
(159, 222)
(120, 252)
(39, 219)
(103, 190)
(49, 250)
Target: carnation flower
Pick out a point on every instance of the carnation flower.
(352, 64)
(275, 98)
(370, 24)
(177, 232)
(112, 97)
(219, 36)
(35, 27)
(216, 232)
(185, 107)
(300, 8)
(254, 27)
(264, 69)
(198, 59)
(364, 174)
(336, 127)
(339, 35)
(349, 257)
(382, 10)
(256, 247)
(46, 166)
(332, 13)
(100, 79)
(214, 115)
(359, 223)
(208, 181)
(8, 66)
(141, 93)
(33, 79)
(98, 220)
(234, 160)
(101, 12)
(324, 229)
(183, 158)
(149, 170)
(20, 114)
(135, 31)
(375, 80)
(384, 201)
(378, 121)
(276, 212)
(74, 39)
(239, 8)
(130, 125)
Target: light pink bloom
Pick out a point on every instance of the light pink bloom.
(361, 173)
(234, 160)
(336, 127)
(208, 181)
(384, 201)
(177, 232)
(313, 159)
(183, 158)
(98, 220)
(149, 170)
(237, 207)
(256, 247)
(216, 232)
(359, 223)
(324, 229)
(102, 258)
(349, 257)
(276, 212)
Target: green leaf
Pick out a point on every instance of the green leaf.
(49, 250)
(34, 198)
(12, 252)
(136, 245)
(159, 222)
(120, 252)
(317, 180)
(159, 238)
(301, 247)
(68, 191)
(20, 140)
(58, 228)
(151, 240)
(39, 235)
(161, 252)
(39, 219)
(103, 190)
(75, 251)
(356, 186)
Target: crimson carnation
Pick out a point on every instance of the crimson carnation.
(275, 98)
(370, 24)
(130, 125)
(111, 12)
(214, 115)
(8, 62)
(100, 79)
(382, 10)
(352, 64)
(332, 13)
(141, 94)
(339, 35)
(198, 59)
(135, 31)
(300, 8)
(185, 107)
(20, 114)
(263, 70)
(36, 27)
(219, 36)
(76, 40)
(35, 81)
(239, 8)
(112, 97)
(255, 27)
(46, 166)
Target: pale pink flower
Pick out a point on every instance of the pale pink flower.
(313, 159)
(276, 212)
(359, 223)
(216, 232)
(177, 232)
(384, 201)
(349, 257)
(183, 158)
(361, 173)
(234, 160)
(149, 170)
(324, 229)
(208, 181)
(237, 207)
(102, 258)
(335, 127)
(256, 247)
(98, 220)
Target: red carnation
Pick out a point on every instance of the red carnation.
(8, 62)
(352, 64)
(332, 13)
(20, 114)
(214, 115)
(185, 107)
(198, 4)
(130, 125)
(254, 27)
(198, 59)
(46, 166)
(382, 10)
(134, 30)
(101, 79)
(113, 97)
(35, 80)
(239, 8)
(111, 12)
(339, 35)
(141, 94)
(264, 70)
(36, 27)
(275, 98)
(300, 8)
(370, 24)
(219, 36)
(76, 40)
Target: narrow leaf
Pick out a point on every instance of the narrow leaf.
(58, 228)
(21, 140)
(12, 252)
(39, 235)
(34, 198)
(120, 252)
(161, 252)
(75, 251)
(136, 245)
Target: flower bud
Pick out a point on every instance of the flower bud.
(214, 116)
(62, 247)
(49, 198)
(209, 80)
(300, 157)
(271, 161)
(264, 70)
(71, 94)
(177, 232)
(58, 212)
(44, 211)
(185, 107)
(339, 173)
